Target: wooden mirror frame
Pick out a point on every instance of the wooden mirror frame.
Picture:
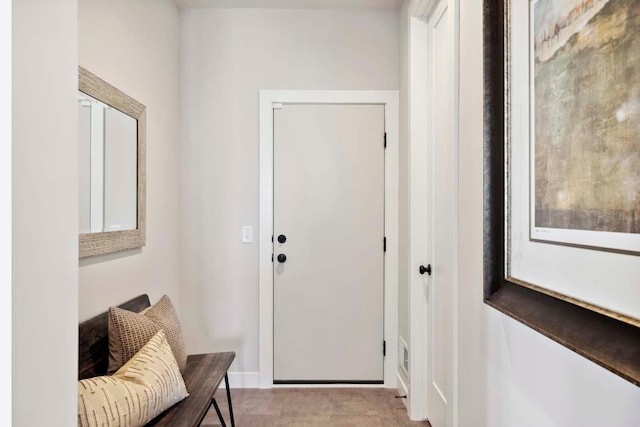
(92, 244)
(606, 338)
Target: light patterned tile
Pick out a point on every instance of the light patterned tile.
(313, 407)
(356, 421)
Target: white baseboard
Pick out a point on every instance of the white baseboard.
(329, 386)
(243, 380)
(403, 390)
(252, 380)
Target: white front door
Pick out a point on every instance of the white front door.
(328, 243)
(442, 236)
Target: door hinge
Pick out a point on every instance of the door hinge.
(384, 348)
(271, 257)
(385, 140)
(384, 244)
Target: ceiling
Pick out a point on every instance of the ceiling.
(293, 4)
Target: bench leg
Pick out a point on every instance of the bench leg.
(226, 382)
(215, 405)
(217, 408)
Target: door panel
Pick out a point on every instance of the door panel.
(329, 203)
(442, 234)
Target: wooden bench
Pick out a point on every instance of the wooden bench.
(202, 376)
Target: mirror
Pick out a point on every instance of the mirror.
(111, 128)
(108, 153)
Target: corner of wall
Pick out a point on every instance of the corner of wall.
(44, 251)
(5, 211)
(143, 60)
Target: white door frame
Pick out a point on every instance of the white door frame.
(5, 211)
(269, 98)
(420, 183)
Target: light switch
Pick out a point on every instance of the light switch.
(247, 234)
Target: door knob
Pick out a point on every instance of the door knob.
(282, 238)
(426, 269)
(282, 258)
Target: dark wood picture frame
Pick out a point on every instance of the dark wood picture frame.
(600, 337)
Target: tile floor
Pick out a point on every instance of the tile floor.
(370, 407)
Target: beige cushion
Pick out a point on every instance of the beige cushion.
(129, 331)
(145, 386)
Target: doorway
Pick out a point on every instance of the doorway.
(296, 313)
(434, 212)
(328, 243)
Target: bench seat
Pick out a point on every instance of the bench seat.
(203, 375)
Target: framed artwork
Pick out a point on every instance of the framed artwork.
(585, 115)
(562, 173)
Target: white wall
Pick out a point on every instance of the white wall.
(227, 57)
(5, 211)
(510, 375)
(134, 45)
(404, 242)
(45, 213)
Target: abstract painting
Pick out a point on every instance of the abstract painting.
(585, 112)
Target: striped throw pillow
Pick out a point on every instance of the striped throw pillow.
(149, 383)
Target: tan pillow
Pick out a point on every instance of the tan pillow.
(129, 331)
(144, 387)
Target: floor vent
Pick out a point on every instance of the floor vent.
(403, 356)
(405, 359)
